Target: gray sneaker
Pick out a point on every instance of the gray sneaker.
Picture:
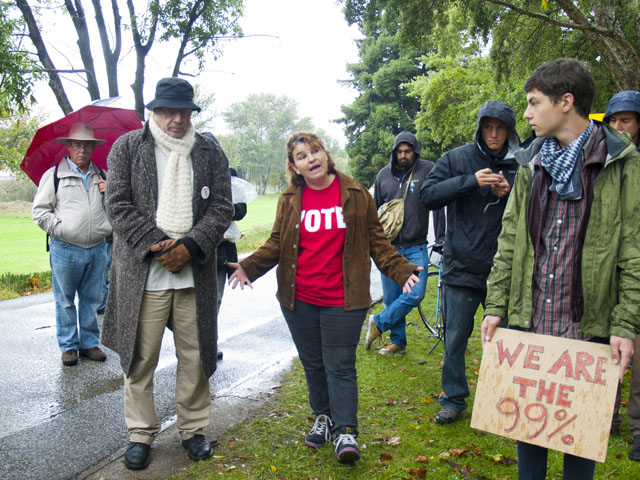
(319, 433)
(448, 415)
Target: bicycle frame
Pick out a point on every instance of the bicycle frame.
(437, 329)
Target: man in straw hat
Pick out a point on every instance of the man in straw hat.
(69, 206)
(169, 201)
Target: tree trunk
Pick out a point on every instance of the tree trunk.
(110, 56)
(194, 14)
(84, 45)
(605, 34)
(142, 50)
(54, 79)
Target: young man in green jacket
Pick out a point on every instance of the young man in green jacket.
(568, 259)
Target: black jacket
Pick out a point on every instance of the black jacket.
(474, 214)
(227, 251)
(416, 215)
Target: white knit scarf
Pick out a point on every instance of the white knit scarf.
(175, 209)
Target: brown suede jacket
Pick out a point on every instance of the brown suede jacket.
(365, 238)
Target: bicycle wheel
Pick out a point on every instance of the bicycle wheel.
(428, 319)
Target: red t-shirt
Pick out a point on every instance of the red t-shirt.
(322, 234)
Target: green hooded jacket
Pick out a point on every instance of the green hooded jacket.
(610, 253)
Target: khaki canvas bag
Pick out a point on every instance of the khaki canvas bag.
(391, 214)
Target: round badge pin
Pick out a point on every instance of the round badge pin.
(204, 193)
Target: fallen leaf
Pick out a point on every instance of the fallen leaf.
(420, 472)
(498, 457)
(386, 456)
(274, 469)
(394, 441)
(457, 452)
(422, 459)
(391, 401)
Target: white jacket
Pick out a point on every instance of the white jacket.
(70, 215)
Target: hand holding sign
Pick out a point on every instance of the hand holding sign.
(544, 390)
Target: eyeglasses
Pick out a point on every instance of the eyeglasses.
(172, 112)
(82, 145)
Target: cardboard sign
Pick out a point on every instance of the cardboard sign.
(547, 391)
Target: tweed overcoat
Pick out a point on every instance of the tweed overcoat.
(131, 203)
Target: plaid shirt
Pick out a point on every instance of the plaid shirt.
(551, 294)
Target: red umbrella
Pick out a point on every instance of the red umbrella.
(107, 123)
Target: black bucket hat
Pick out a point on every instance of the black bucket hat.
(173, 92)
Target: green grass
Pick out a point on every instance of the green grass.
(398, 437)
(22, 245)
(14, 285)
(256, 225)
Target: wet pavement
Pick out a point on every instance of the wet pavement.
(61, 422)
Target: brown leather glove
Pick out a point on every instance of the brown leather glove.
(174, 258)
(156, 248)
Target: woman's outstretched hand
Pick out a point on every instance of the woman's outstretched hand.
(238, 277)
(411, 281)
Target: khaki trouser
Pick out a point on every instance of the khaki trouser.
(193, 399)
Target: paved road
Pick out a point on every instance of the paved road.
(67, 422)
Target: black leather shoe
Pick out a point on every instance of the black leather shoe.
(137, 456)
(198, 447)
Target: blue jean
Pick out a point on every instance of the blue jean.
(77, 270)
(108, 248)
(326, 339)
(459, 305)
(399, 304)
(532, 464)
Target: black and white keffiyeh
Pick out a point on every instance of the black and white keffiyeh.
(561, 164)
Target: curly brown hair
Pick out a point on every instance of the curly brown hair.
(312, 140)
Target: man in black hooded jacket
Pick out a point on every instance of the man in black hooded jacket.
(473, 181)
(405, 172)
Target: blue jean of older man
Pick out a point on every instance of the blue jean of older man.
(77, 270)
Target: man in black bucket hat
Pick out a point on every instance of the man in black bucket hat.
(169, 201)
(173, 92)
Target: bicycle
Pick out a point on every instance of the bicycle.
(435, 325)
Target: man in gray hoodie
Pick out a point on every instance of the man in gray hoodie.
(473, 181)
(405, 172)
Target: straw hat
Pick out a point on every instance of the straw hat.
(80, 132)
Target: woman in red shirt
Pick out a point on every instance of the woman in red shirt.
(325, 232)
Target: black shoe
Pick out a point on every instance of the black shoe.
(219, 354)
(346, 447)
(101, 311)
(198, 447)
(137, 456)
(635, 450)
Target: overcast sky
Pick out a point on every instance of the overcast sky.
(304, 55)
